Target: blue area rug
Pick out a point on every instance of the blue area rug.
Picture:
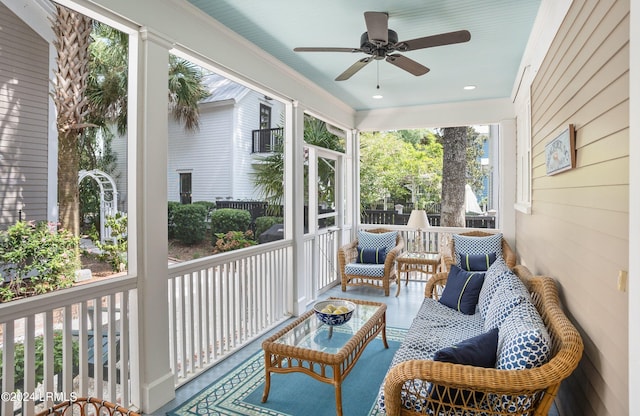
(296, 394)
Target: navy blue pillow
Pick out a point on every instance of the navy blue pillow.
(462, 290)
(479, 351)
(372, 255)
(476, 262)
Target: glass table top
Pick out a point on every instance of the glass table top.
(420, 255)
(312, 334)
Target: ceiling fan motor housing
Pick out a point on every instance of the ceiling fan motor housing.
(379, 51)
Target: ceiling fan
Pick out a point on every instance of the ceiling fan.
(380, 42)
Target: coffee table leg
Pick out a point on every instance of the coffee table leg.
(267, 378)
(384, 330)
(339, 399)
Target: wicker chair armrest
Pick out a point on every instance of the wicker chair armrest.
(395, 252)
(347, 253)
(446, 262)
(438, 281)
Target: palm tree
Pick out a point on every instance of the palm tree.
(72, 37)
(91, 91)
(269, 174)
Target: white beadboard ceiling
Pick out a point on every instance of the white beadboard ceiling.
(489, 61)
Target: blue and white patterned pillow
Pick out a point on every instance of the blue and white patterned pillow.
(492, 279)
(502, 304)
(377, 240)
(523, 340)
(477, 245)
(507, 293)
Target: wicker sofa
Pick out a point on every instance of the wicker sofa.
(416, 384)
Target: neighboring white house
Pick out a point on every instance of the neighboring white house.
(26, 147)
(216, 162)
(237, 127)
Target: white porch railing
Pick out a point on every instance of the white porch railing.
(219, 303)
(73, 340)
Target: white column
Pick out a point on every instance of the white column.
(155, 383)
(507, 174)
(294, 191)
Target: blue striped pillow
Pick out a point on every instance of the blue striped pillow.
(476, 262)
(462, 290)
(372, 255)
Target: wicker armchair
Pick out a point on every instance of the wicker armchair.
(348, 253)
(85, 406)
(535, 387)
(448, 258)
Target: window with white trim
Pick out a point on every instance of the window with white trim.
(523, 154)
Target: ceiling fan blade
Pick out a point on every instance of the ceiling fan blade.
(354, 68)
(407, 64)
(377, 27)
(321, 49)
(436, 40)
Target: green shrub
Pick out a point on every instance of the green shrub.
(229, 219)
(38, 258)
(172, 206)
(115, 252)
(209, 206)
(189, 220)
(233, 240)
(264, 223)
(39, 359)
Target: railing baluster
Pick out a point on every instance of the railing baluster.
(111, 352)
(8, 367)
(28, 408)
(48, 357)
(97, 348)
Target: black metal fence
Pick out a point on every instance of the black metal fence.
(382, 217)
(368, 216)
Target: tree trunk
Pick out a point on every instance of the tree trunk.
(72, 31)
(454, 170)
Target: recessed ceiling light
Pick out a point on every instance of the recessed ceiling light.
(470, 87)
(377, 97)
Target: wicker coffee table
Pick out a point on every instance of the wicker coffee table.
(325, 353)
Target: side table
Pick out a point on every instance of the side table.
(424, 262)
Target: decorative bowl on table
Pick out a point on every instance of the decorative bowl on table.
(334, 311)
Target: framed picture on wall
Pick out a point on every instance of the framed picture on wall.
(560, 153)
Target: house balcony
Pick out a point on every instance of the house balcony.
(266, 140)
(216, 306)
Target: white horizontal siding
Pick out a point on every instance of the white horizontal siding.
(24, 63)
(247, 120)
(578, 230)
(207, 154)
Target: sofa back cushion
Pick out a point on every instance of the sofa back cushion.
(498, 275)
(462, 290)
(523, 340)
(464, 244)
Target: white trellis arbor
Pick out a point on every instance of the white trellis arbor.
(108, 198)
